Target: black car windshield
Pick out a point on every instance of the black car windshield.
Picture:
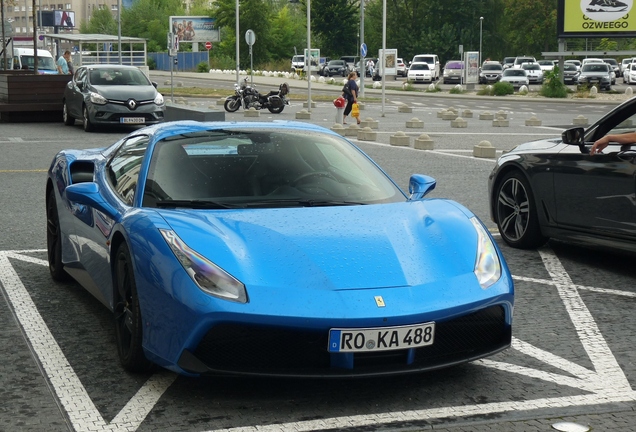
(337, 63)
(491, 67)
(419, 66)
(594, 67)
(251, 168)
(514, 72)
(533, 66)
(116, 76)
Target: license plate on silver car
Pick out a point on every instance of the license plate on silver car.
(381, 338)
(132, 120)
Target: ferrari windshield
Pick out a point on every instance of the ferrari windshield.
(231, 168)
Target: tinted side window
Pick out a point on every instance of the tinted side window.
(124, 167)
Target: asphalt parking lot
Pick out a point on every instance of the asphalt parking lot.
(572, 357)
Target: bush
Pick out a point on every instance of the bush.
(552, 87)
(457, 89)
(486, 91)
(503, 88)
(152, 65)
(203, 67)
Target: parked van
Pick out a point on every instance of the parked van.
(23, 59)
(297, 62)
(433, 63)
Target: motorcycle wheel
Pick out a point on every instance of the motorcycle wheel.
(276, 110)
(232, 104)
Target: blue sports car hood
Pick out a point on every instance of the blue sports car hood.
(350, 247)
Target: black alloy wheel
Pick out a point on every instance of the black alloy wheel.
(53, 240)
(516, 213)
(128, 322)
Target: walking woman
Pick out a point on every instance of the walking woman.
(352, 96)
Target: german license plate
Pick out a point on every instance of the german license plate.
(132, 120)
(381, 338)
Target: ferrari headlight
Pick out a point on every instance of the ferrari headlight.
(208, 276)
(158, 99)
(98, 99)
(487, 265)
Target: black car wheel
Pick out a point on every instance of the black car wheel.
(277, 110)
(53, 240)
(88, 126)
(128, 322)
(516, 213)
(68, 120)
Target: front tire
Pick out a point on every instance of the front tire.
(54, 240)
(88, 126)
(68, 120)
(128, 322)
(232, 104)
(516, 213)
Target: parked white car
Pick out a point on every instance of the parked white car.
(419, 73)
(401, 67)
(516, 77)
(623, 65)
(629, 74)
(535, 74)
(433, 63)
(546, 65)
(523, 59)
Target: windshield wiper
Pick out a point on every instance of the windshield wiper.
(196, 204)
(301, 203)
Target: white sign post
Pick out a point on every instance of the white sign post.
(250, 38)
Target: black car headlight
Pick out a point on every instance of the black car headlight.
(98, 99)
(206, 275)
(487, 264)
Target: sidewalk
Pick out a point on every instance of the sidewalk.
(301, 86)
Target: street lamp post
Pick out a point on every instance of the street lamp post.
(481, 26)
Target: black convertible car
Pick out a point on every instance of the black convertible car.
(555, 189)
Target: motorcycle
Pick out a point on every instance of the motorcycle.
(248, 97)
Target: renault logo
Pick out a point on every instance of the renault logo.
(379, 301)
(131, 103)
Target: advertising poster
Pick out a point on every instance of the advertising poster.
(315, 58)
(471, 69)
(390, 62)
(602, 18)
(194, 29)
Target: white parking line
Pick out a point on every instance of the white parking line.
(605, 383)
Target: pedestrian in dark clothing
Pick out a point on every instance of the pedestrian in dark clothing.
(351, 96)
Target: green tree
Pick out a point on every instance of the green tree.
(254, 15)
(335, 23)
(101, 22)
(530, 26)
(150, 19)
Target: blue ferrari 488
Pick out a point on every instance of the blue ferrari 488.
(275, 249)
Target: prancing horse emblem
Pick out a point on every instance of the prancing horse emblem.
(379, 301)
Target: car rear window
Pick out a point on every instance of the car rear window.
(454, 65)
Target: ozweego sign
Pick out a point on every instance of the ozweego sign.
(600, 18)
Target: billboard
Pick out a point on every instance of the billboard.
(595, 18)
(56, 18)
(194, 29)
